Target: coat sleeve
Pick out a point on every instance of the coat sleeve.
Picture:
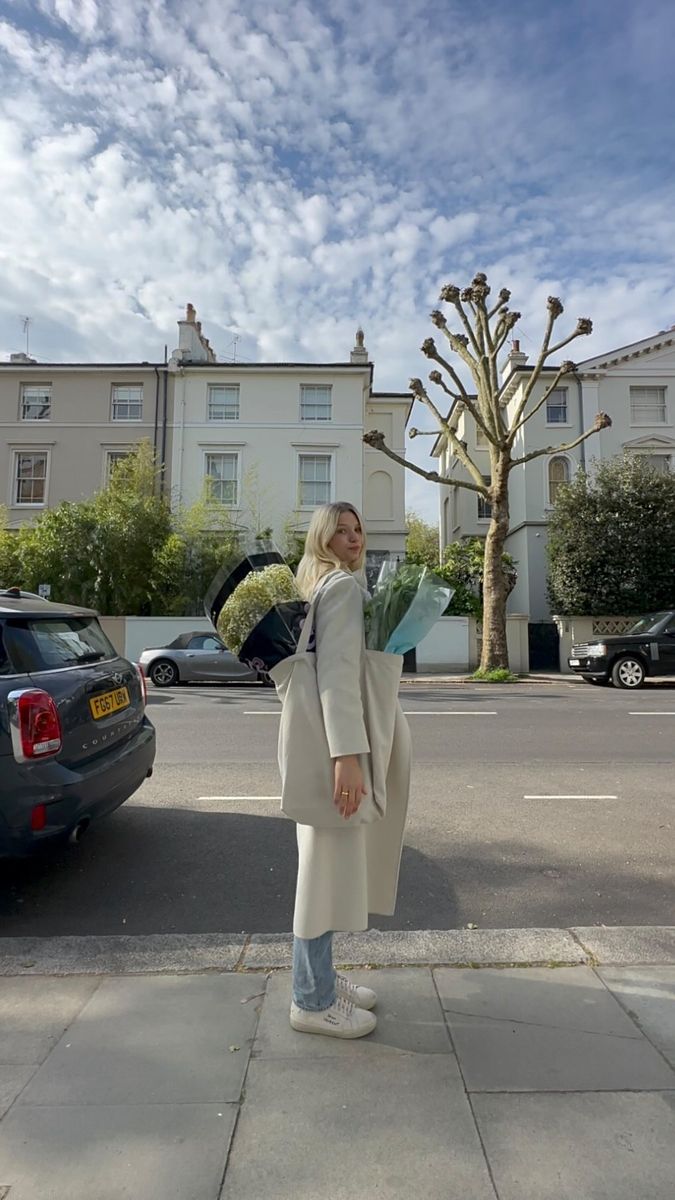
(339, 648)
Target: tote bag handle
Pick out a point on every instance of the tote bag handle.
(308, 624)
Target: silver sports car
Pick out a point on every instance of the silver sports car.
(195, 658)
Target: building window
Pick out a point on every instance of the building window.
(314, 479)
(659, 462)
(558, 474)
(112, 458)
(484, 506)
(316, 402)
(556, 407)
(30, 477)
(648, 405)
(223, 402)
(481, 438)
(222, 469)
(36, 402)
(127, 402)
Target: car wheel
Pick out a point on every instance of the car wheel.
(628, 672)
(599, 682)
(265, 679)
(163, 673)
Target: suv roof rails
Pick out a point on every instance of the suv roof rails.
(15, 593)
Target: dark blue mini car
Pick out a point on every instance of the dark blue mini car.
(75, 742)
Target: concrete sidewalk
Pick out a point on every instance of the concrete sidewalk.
(165, 1067)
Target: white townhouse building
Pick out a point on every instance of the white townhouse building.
(635, 385)
(278, 439)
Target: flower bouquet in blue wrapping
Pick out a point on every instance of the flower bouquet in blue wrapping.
(406, 603)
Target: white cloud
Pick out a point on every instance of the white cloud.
(295, 169)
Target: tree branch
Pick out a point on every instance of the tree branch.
(465, 399)
(583, 327)
(602, 421)
(375, 439)
(564, 369)
(458, 448)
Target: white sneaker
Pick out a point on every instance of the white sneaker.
(343, 1020)
(362, 997)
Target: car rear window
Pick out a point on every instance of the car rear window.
(47, 643)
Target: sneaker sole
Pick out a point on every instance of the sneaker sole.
(336, 1033)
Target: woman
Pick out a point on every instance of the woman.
(345, 873)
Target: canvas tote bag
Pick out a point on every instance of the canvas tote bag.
(307, 771)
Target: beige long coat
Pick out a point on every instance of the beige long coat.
(343, 874)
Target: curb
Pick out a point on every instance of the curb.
(417, 680)
(157, 954)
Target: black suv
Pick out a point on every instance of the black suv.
(75, 742)
(626, 659)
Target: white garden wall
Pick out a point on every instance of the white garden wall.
(446, 648)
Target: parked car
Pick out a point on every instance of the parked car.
(75, 742)
(626, 659)
(195, 657)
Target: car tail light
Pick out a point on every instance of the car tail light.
(144, 683)
(35, 725)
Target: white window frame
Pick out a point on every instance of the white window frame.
(480, 500)
(668, 455)
(222, 451)
(125, 420)
(559, 424)
(313, 387)
(213, 387)
(17, 451)
(482, 441)
(113, 451)
(648, 387)
(315, 452)
(46, 389)
(549, 503)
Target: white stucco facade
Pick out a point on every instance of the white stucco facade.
(278, 439)
(634, 385)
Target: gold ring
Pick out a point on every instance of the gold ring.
(344, 793)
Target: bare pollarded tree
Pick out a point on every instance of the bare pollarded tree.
(484, 332)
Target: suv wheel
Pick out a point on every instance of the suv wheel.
(628, 672)
(163, 673)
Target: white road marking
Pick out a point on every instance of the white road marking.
(239, 797)
(647, 713)
(570, 797)
(451, 712)
(262, 712)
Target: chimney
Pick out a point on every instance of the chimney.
(21, 357)
(192, 345)
(359, 354)
(514, 359)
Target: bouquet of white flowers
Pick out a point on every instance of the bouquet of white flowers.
(256, 607)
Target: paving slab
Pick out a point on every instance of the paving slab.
(13, 1080)
(120, 955)
(389, 1126)
(134, 1152)
(422, 946)
(538, 1030)
(35, 1012)
(153, 1040)
(561, 998)
(409, 1020)
(648, 994)
(630, 944)
(580, 1147)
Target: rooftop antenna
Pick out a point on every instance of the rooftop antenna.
(235, 339)
(27, 321)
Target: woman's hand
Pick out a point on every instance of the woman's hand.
(348, 785)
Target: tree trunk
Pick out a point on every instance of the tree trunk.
(494, 654)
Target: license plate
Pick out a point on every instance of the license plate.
(109, 702)
(574, 662)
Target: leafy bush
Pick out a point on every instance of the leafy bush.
(611, 546)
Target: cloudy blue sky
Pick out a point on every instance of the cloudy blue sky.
(295, 168)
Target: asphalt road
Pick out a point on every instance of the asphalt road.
(532, 805)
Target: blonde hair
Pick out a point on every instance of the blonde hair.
(318, 559)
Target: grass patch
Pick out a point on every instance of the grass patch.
(498, 675)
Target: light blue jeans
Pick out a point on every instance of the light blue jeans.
(313, 973)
